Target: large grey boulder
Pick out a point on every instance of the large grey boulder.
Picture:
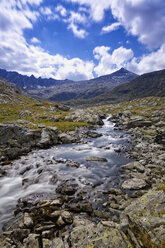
(134, 183)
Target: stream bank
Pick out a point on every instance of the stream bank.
(133, 206)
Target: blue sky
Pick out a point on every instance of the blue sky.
(81, 39)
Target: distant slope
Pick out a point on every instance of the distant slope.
(84, 89)
(149, 84)
(30, 82)
(10, 89)
(63, 90)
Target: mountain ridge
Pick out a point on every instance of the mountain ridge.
(62, 90)
(148, 84)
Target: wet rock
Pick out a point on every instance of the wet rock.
(78, 207)
(67, 217)
(19, 234)
(68, 187)
(23, 171)
(113, 191)
(96, 159)
(31, 241)
(49, 136)
(57, 202)
(71, 163)
(60, 221)
(28, 221)
(15, 140)
(134, 183)
(2, 172)
(53, 180)
(70, 137)
(91, 134)
(160, 137)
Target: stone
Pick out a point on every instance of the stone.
(134, 166)
(91, 134)
(57, 202)
(47, 234)
(124, 223)
(58, 243)
(96, 159)
(60, 222)
(68, 187)
(71, 163)
(28, 221)
(19, 234)
(134, 183)
(56, 214)
(49, 136)
(113, 191)
(67, 217)
(31, 241)
(69, 138)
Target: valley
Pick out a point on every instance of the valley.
(83, 177)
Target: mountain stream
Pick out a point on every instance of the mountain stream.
(35, 172)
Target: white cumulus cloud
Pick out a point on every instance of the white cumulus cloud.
(149, 62)
(110, 28)
(17, 54)
(110, 62)
(142, 18)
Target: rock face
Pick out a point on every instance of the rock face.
(91, 235)
(15, 140)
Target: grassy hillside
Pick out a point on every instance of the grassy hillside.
(30, 113)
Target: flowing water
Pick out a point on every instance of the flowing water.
(32, 173)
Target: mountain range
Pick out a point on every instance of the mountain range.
(121, 85)
(62, 90)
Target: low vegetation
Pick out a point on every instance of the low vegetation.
(30, 113)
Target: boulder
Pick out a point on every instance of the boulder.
(96, 159)
(69, 137)
(134, 183)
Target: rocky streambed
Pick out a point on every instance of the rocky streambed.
(88, 194)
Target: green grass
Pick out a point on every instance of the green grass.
(40, 113)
